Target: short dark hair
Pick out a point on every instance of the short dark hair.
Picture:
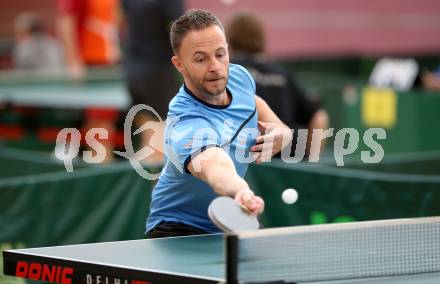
(245, 33)
(193, 19)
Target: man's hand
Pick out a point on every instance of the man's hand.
(250, 201)
(274, 138)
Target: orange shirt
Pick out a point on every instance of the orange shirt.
(97, 29)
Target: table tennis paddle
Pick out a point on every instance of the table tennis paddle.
(229, 216)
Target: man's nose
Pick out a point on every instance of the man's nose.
(214, 65)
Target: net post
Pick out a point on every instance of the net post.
(231, 252)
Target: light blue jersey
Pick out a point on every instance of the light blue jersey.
(193, 126)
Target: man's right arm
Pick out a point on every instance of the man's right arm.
(216, 168)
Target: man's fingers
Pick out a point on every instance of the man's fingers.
(263, 151)
(260, 147)
(249, 202)
(264, 127)
(260, 204)
(246, 198)
(264, 138)
(259, 139)
(265, 157)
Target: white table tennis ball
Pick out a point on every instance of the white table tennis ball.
(289, 196)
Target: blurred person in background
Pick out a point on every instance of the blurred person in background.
(151, 78)
(89, 31)
(274, 84)
(35, 48)
(431, 79)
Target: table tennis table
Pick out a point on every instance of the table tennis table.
(72, 96)
(213, 258)
(34, 110)
(102, 87)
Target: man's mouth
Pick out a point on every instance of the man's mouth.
(215, 79)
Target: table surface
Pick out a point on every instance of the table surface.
(107, 94)
(195, 259)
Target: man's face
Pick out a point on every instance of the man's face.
(203, 60)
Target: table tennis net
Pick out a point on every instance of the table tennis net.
(339, 251)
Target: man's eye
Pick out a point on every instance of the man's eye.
(199, 59)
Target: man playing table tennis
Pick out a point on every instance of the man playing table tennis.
(212, 132)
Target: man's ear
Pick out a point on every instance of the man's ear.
(178, 64)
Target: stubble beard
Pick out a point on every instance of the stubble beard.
(201, 88)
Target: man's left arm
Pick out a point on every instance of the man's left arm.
(275, 135)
